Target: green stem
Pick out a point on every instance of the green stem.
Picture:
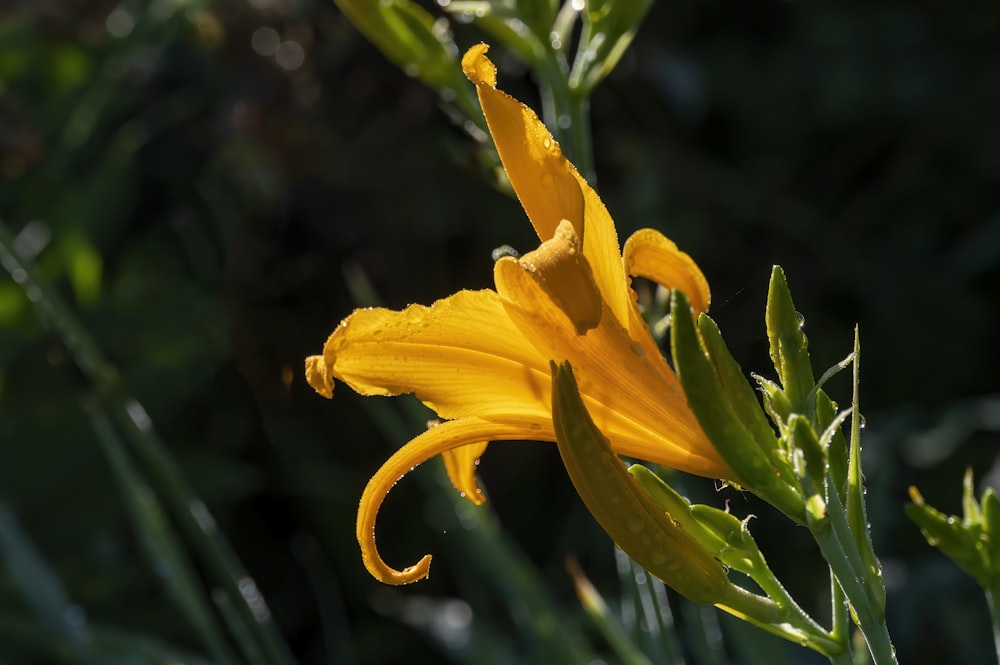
(992, 596)
(768, 615)
(843, 559)
(843, 658)
(840, 613)
(567, 113)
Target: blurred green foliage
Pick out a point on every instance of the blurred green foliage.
(204, 182)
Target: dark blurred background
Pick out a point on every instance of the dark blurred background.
(211, 184)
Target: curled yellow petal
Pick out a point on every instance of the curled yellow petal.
(435, 441)
(563, 272)
(547, 184)
(650, 254)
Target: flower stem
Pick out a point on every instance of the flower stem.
(566, 111)
(843, 557)
(992, 598)
(843, 658)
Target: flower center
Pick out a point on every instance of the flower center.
(563, 272)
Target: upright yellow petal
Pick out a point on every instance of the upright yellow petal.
(549, 187)
(542, 178)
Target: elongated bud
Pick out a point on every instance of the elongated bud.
(654, 539)
(789, 347)
(718, 404)
(959, 542)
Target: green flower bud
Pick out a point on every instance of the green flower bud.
(654, 539)
(722, 406)
(789, 347)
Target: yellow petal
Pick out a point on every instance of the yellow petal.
(542, 178)
(461, 464)
(564, 273)
(549, 187)
(436, 440)
(318, 377)
(632, 395)
(462, 357)
(650, 254)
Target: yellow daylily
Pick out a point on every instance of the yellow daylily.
(481, 359)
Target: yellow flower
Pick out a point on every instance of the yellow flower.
(480, 359)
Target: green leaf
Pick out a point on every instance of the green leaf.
(410, 37)
(41, 587)
(609, 27)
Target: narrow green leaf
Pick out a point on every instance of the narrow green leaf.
(857, 512)
(41, 587)
(609, 27)
(163, 545)
(594, 605)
